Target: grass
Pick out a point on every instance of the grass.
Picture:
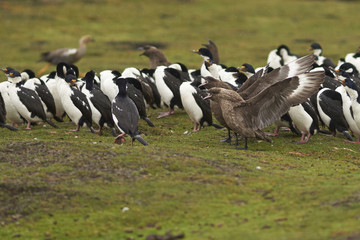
(57, 184)
(63, 184)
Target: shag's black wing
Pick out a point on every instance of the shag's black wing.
(32, 102)
(203, 104)
(331, 104)
(173, 80)
(80, 101)
(2, 110)
(102, 103)
(126, 114)
(138, 98)
(46, 97)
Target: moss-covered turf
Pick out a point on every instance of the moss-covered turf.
(59, 184)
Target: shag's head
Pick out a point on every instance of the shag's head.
(204, 52)
(61, 69)
(14, 74)
(246, 67)
(315, 46)
(347, 69)
(70, 79)
(348, 82)
(282, 48)
(7, 70)
(89, 79)
(121, 83)
(27, 74)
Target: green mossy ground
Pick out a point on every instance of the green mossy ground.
(57, 184)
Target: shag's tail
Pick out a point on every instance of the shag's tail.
(113, 131)
(149, 122)
(9, 127)
(347, 135)
(140, 139)
(324, 131)
(92, 129)
(295, 130)
(51, 123)
(58, 119)
(217, 126)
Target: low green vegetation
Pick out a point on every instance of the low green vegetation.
(59, 184)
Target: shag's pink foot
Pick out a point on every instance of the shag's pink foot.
(165, 114)
(330, 135)
(197, 127)
(273, 134)
(357, 142)
(28, 126)
(120, 139)
(77, 128)
(98, 131)
(303, 139)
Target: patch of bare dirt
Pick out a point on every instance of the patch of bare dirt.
(45, 169)
(19, 199)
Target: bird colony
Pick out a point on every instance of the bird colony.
(306, 95)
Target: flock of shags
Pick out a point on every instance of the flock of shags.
(299, 93)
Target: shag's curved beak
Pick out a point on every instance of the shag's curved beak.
(242, 68)
(342, 82)
(195, 51)
(338, 73)
(211, 62)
